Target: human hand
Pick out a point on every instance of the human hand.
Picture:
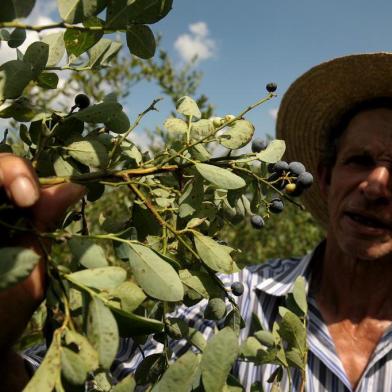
(46, 206)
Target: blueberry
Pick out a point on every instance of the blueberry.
(82, 101)
(296, 168)
(281, 166)
(276, 206)
(270, 167)
(257, 222)
(237, 288)
(297, 191)
(305, 179)
(259, 145)
(271, 87)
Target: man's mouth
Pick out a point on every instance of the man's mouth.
(369, 221)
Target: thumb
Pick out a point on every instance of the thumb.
(54, 202)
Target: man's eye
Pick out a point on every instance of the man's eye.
(361, 160)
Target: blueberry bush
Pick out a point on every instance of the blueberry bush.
(127, 273)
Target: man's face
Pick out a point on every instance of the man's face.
(359, 190)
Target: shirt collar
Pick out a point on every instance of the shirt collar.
(278, 281)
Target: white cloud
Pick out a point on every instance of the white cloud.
(196, 44)
(273, 113)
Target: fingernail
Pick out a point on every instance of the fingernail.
(23, 192)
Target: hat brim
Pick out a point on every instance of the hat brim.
(315, 102)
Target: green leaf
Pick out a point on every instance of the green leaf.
(117, 14)
(16, 38)
(197, 339)
(218, 358)
(16, 265)
(19, 109)
(131, 296)
(114, 48)
(130, 324)
(201, 282)
(250, 347)
(78, 358)
(293, 357)
(87, 252)
(216, 256)
(141, 41)
(201, 128)
(293, 331)
(4, 35)
(219, 177)
(99, 113)
(176, 125)
(127, 384)
(11, 9)
(148, 11)
(188, 107)
(157, 278)
(48, 80)
(150, 368)
(7, 11)
(78, 41)
(180, 375)
(238, 135)
(15, 75)
(265, 337)
(199, 152)
(273, 153)
(36, 56)
(63, 167)
(44, 379)
(192, 197)
(118, 123)
(103, 278)
(75, 11)
(89, 152)
(56, 47)
(299, 294)
(102, 332)
(97, 52)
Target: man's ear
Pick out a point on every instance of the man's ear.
(324, 179)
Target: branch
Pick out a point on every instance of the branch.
(17, 25)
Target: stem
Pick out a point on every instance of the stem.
(132, 127)
(68, 26)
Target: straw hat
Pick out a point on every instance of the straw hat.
(315, 102)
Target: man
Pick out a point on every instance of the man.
(337, 120)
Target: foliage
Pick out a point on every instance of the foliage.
(164, 248)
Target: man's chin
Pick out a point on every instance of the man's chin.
(369, 250)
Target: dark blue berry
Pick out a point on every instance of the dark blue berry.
(237, 288)
(281, 166)
(305, 179)
(259, 145)
(296, 168)
(257, 222)
(276, 206)
(82, 101)
(271, 87)
(270, 167)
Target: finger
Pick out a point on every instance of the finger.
(19, 180)
(54, 202)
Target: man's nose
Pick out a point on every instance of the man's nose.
(378, 184)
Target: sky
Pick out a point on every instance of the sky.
(242, 45)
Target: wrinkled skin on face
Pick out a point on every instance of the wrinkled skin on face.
(358, 188)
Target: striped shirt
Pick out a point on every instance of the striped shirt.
(265, 288)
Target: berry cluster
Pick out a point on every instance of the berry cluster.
(291, 177)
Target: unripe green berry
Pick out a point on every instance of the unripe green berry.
(215, 309)
(290, 188)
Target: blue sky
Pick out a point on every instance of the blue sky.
(260, 41)
(245, 44)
